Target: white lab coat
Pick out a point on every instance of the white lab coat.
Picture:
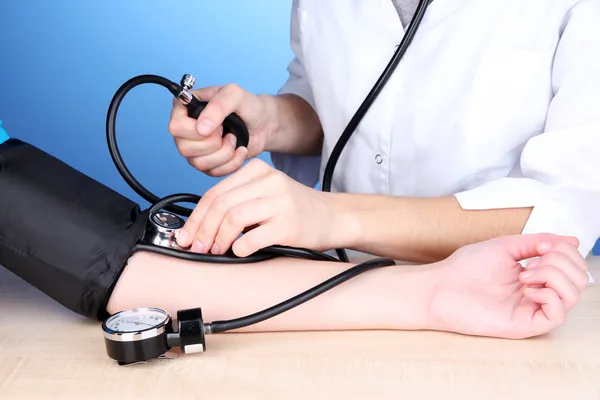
(496, 102)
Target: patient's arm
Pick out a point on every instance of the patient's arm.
(394, 297)
(480, 290)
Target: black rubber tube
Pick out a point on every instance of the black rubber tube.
(229, 257)
(368, 102)
(168, 202)
(222, 326)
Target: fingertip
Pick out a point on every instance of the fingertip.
(250, 242)
(574, 241)
(532, 264)
(198, 247)
(526, 275)
(205, 126)
(239, 157)
(242, 153)
(550, 239)
(242, 248)
(232, 139)
(183, 238)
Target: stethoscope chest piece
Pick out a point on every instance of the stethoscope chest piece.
(142, 334)
(162, 228)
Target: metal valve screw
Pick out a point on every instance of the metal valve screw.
(188, 81)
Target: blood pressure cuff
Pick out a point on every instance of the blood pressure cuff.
(61, 231)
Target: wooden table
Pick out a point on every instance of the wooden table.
(47, 352)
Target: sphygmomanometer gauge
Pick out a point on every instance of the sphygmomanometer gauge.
(141, 334)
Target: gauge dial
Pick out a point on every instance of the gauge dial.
(137, 320)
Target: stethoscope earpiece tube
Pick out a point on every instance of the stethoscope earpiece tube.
(369, 100)
(122, 334)
(167, 245)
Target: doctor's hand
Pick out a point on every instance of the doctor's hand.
(201, 141)
(279, 210)
(484, 291)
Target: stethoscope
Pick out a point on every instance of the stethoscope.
(142, 334)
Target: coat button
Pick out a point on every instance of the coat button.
(378, 159)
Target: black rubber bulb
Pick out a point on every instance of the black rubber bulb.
(232, 124)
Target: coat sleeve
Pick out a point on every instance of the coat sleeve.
(561, 167)
(302, 169)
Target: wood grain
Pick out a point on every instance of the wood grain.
(47, 352)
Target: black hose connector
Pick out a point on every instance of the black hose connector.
(232, 124)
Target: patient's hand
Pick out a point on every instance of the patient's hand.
(485, 291)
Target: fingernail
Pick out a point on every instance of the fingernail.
(232, 139)
(533, 264)
(527, 274)
(215, 249)
(205, 126)
(544, 246)
(531, 290)
(182, 238)
(198, 247)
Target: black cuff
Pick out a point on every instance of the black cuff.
(63, 232)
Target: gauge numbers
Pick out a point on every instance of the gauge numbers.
(137, 320)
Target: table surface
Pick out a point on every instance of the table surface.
(47, 352)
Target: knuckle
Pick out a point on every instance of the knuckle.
(279, 181)
(212, 143)
(202, 93)
(551, 271)
(232, 88)
(173, 126)
(219, 171)
(203, 234)
(219, 205)
(184, 149)
(288, 202)
(198, 162)
(279, 177)
(238, 219)
(210, 194)
(562, 248)
(216, 106)
(557, 261)
(257, 163)
(213, 173)
(548, 260)
(583, 282)
(235, 218)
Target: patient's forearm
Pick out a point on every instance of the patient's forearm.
(387, 298)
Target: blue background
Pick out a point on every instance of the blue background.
(62, 61)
